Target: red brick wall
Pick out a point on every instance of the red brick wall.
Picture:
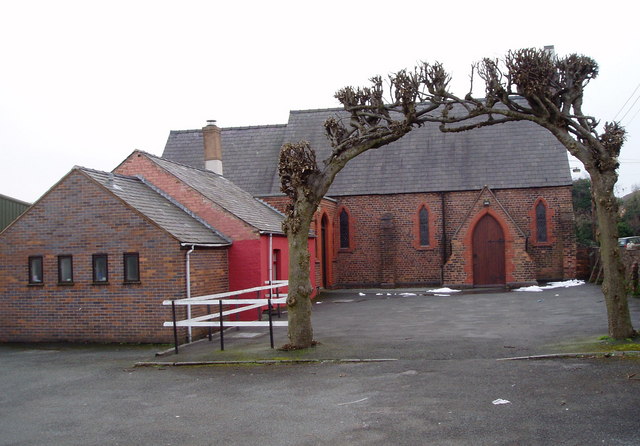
(79, 218)
(386, 251)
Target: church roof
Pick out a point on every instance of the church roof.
(510, 155)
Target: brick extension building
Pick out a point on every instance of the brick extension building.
(485, 207)
(94, 258)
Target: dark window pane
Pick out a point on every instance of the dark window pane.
(344, 229)
(35, 270)
(131, 267)
(424, 227)
(65, 269)
(541, 222)
(100, 268)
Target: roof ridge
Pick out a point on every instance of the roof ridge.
(114, 174)
(182, 207)
(237, 127)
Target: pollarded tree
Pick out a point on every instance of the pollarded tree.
(531, 85)
(371, 123)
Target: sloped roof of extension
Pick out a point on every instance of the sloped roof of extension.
(168, 215)
(226, 194)
(511, 155)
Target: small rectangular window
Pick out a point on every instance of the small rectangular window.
(131, 267)
(100, 268)
(35, 270)
(65, 269)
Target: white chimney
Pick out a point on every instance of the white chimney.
(212, 147)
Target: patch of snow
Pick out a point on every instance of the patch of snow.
(533, 288)
(443, 290)
(443, 295)
(565, 284)
(500, 401)
(407, 294)
(552, 285)
(378, 294)
(361, 294)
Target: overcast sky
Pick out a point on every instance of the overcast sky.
(87, 82)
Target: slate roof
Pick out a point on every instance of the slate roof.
(511, 155)
(226, 194)
(257, 147)
(166, 214)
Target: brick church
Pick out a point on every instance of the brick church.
(486, 207)
(95, 256)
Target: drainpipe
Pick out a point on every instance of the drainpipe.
(444, 236)
(270, 258)
(188, 267)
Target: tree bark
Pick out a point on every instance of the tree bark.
(614, 286)
(300, 331)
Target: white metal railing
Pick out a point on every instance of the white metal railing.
(272, 296)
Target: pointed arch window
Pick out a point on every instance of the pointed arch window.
(423, 226)
(344, 229)
(542, 235)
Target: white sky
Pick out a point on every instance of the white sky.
(87, 82)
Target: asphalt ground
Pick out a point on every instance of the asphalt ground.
(442, 375)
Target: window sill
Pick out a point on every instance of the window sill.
(132, 283)
(100, 283)
(541, 244)
(36, 284)
(66, 283)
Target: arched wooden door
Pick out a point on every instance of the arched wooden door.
(488, 253)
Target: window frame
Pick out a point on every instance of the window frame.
(533, 215)
(349, 230)
(125, 273)
(31, 264)
(417, 226)
(423, 223)
(61, 259)
(542, 227)
(94, 261)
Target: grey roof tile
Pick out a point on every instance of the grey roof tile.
(226, 194)
(510, 155)
(167, 215)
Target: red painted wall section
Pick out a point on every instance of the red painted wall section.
(328, 208)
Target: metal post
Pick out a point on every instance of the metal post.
(259, 308)
(278, 297)
(221, 327)
(175, 328)
(210, 327)
(270, 323)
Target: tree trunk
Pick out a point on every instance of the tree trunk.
(614, 285)
(300, 331)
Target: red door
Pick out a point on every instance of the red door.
(488, 253)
